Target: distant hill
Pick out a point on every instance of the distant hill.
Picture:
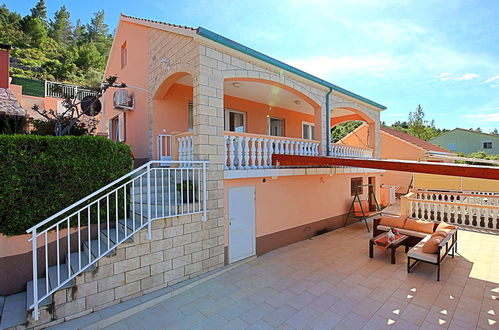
(54, 48)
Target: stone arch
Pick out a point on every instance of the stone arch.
(167, 78)
(357, 115)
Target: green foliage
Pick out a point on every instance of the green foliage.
(55, 50)
(40, 175)
(45, 127)
(339, 131)
(478, 155)
(419, 127)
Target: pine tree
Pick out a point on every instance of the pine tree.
(60, 28)
(79, 33)
(97, 30)
(40, 11)
(419, 127)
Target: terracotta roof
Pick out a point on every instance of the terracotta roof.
(159, 22)
(9, 105)
(414, 140)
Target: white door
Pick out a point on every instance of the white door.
(242, 235)
(164, 147)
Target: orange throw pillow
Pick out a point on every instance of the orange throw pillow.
(397, 222)
(431, 245)
(442, 232)
(443, 225)
(419, 225)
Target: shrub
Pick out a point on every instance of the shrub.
(41, 175)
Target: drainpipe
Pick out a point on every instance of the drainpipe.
(328, 123)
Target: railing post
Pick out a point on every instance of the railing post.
(36, 312)
(204, 193)
(148, 201)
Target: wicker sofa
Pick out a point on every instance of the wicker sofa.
(443, 238)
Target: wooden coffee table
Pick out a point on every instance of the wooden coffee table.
(393, 246)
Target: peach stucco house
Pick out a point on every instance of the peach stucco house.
(197, 95)
(398, 145)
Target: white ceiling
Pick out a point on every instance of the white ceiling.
(271, 95)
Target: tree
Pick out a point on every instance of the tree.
(60, 27)
(79, 34)
(97, 29)
(73, 115)
(419, 127)
(40, 11)
(495, 132)
(339, 131)
(36, 30)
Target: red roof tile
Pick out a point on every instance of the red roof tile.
(414, 140)
(159, 22)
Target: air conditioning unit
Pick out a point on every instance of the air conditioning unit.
(122, 101)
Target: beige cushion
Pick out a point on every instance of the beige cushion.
(404, 231)
(417, 252)
(396, 222)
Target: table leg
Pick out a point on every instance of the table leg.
(371, 245)
(393, 255)
(406, 248)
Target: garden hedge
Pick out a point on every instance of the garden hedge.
(41, 175)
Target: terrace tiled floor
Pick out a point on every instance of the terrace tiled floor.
(329, 282)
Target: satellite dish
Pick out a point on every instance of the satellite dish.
(90, 105)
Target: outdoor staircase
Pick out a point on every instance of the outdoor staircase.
(163, 201)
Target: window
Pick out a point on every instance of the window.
(276, 126)
(235, 121)
(117, 128)
(356, 185)
(124, 55)
(452, 147)
(114, 129)
(308, 131)
(190, 111)
(487, 145)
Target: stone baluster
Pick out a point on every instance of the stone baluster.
(231, 152)
(259, 153)
(286, 147)
(247, 152)
(271, 151)
(181, 150)
(253, 152)
(265, 153)
(226, 155)
(239, 152)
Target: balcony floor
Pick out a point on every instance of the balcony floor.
(329, 282)
(276, 172)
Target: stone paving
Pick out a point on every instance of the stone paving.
(329, 282)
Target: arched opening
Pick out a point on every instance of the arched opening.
(352, 128)
(172, 115)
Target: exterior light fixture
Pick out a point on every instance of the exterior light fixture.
(236, 84)
(165, 63)
(297, 102)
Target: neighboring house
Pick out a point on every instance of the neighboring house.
(398, 145)
(194, 95)
(466, 141)
(11, 112)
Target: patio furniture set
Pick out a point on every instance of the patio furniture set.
(424, 241)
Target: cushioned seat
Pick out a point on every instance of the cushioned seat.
(404, 231)
(417, 252)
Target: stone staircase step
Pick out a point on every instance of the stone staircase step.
(14, 311)
(75, 262)
(112, 235)
(64, 275)
(93, 248)
(42, 285)
(130, 221)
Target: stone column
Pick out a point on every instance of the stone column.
(208, 120)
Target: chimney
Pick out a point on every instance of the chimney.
(4, 65)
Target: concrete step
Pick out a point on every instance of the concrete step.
(75, 267)
(112, 236)
(93, 248)
(64, 275)
(14, 311)
(42, 285)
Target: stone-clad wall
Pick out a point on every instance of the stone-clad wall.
(174, 254)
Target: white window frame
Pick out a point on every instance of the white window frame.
(283, 126)
(227, 117)
(311, 130)
(483, 145)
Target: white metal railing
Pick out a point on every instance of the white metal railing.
(95, 225)
(343, 150)
(251, 151)
(59, 90)
(459, 212)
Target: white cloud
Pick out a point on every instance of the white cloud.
(450, 76)
(492, 80)
(483, 117)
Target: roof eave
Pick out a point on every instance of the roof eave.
(258, 55)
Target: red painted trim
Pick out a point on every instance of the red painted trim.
(470, 171)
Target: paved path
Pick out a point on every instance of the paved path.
(329, 282)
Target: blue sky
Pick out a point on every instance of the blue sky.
(443, 55)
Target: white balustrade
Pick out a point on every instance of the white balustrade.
(343, 150)
(185, 149)
(471, 210)
(255, 151)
